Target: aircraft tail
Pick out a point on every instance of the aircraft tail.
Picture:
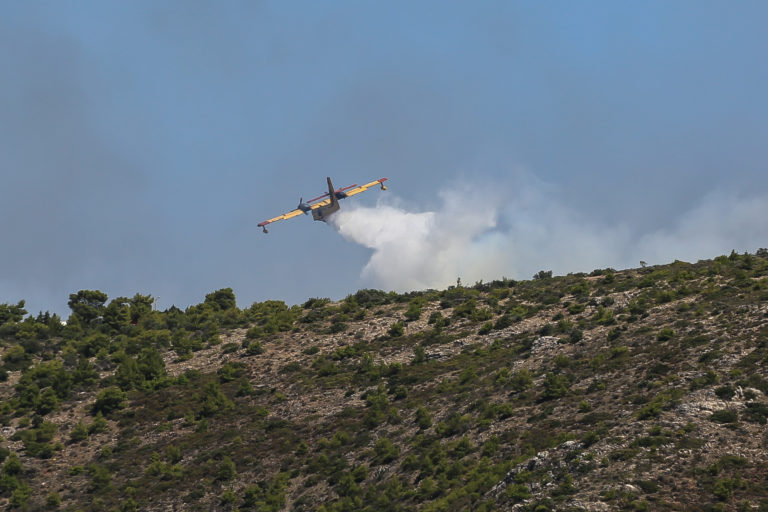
(332, 194)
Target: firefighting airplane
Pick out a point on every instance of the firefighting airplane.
(321, 210)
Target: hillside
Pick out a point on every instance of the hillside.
(642, 389)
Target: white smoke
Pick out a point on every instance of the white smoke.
(516, 231)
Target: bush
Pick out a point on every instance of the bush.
(108, 401)
(423, 418)
(254, 348)
(53, 500)
(227, 470)
(756, 412)
(385, 451)
(419, 356)
(213, 401)
(12, 465)
(555, 386)
(454, 424)
(724, 416)
(414, 311)
(100, 477)
(725, 392)
(79, 432)
(665, 334)
(517, 492)
(521, 380)
(485, 329)
(20, 496)
(15, 358)
(396, 330)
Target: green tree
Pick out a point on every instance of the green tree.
(10, 313)
(128, 376)
(47, 401)
(150, 363)
(20, 496)
(214, 400)
(16, 358)
(100, 477)
(88, 305)
(555, 386)
(419, 355)
(414, 310)
(227, 470)
(423, 418)
(53, 500)
(84, 373)
(141, 306)
(12, 465)
(79, 432)
(521, 380)
(385, 451)
(91, 345)
(221, 300)
(109, 400)
(397, 329)
(117, 314)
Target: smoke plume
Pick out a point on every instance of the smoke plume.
(516, 231)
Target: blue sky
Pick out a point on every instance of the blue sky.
(141, 142)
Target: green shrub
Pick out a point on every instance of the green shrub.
(756, 412)
(79, 432)
(705, 380)
(16, 358)
(385, 451)
(419, 356)
(521, 380)
(505, 320)
(724, 416)
(423, 418)
(518, 493)
(555, 386)
(98, 425)
(53, 500)
(108, 401)
(414, 310)
(213, 401)
(455, 424)
(12, 465)
(665, 334)
(723, 488)
(590, 438)
(396, 330)
(20, 496)
(254, 348)
(226, 470)
(101, 477)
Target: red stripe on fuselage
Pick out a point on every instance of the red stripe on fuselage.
(335, 192)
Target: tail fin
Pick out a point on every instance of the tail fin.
(332, 193)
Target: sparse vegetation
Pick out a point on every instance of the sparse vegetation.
(634, 389)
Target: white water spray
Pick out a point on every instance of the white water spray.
(475, 235)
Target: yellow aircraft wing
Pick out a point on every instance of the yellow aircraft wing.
(365, 187)
(324, 202)
(289, 215)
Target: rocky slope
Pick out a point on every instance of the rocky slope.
(642, 389)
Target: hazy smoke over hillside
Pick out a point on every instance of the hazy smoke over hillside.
(485, 235)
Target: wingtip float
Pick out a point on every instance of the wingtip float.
(325, 205)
